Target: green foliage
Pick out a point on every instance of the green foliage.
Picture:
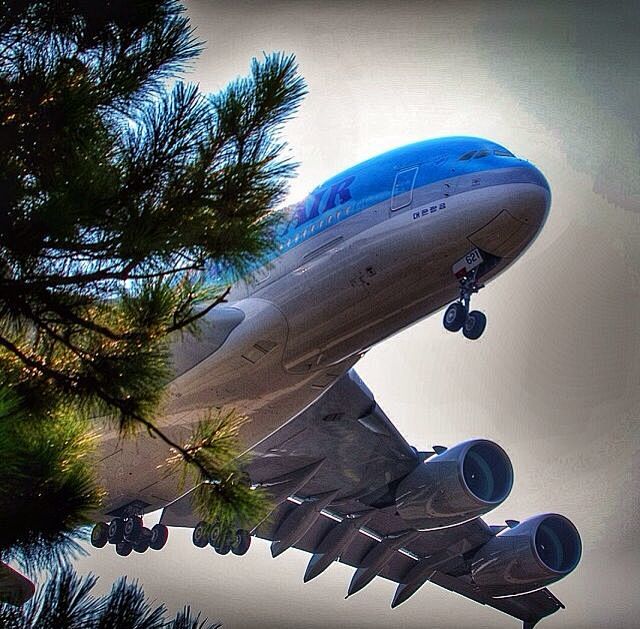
(122, 196)
(223, 492)
(65, 602)
(128, 201)
(47, 488)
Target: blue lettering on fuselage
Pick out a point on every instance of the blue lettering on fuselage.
(371, 183)
(319, 202)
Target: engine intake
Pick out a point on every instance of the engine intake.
(533, 554)
(461, 483)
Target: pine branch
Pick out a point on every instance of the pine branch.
(184, 323)
(125, 194)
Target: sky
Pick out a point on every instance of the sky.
(556, 377)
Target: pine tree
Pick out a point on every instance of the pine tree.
(65, 602)
(128, 201)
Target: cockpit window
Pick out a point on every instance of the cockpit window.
(468, 155)
(503, 153)
(480, 154)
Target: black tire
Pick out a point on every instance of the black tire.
(454, 316)
(132, 529)
(200, 537)
(224, 548)
(474, 325)
(221, 540)
(142, 545)
(159, 536)
(116, 531)
(124, 548)
(100, 535)
(241, 543)
(214, 536)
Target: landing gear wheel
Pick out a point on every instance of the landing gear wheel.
(142, 545)
(474, 325)
(214, 536)
(224, 547)
(116, 531)
(454, 316)
(159, 536)
(124, 548)
(200, 537)
(132, 529)
(241, 543)
(219, 540)
(100, 535)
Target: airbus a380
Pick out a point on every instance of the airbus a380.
(368, 253)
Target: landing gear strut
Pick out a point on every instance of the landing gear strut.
(458, 317)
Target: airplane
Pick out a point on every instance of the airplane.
(368, 253)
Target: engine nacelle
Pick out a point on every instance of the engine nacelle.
(533, 554)
(459, 484)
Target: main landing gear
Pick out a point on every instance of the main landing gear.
(210, 534)
(128, 534)
(458, 317)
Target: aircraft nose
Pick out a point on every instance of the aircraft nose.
(534, 200)
(525, 206)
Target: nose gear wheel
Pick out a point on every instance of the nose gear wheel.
(454, 317)
(458, 315)
(474, 325)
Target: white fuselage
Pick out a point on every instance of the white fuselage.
(299, 323)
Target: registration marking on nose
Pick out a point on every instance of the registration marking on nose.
(467, 263)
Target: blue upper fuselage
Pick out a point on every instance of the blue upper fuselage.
(372, 182)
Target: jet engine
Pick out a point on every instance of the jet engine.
(531, 555)
(459, 484)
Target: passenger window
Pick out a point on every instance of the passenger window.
(403, 188)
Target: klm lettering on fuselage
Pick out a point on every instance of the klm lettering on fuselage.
(319, 202)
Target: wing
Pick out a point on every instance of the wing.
(332, 472)
(14, 588)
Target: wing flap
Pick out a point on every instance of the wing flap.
(530, 608)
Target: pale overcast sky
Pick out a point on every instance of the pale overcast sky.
(556, 377)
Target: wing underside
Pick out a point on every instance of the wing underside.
(331, 472)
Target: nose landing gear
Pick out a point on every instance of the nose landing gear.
(458, 317)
